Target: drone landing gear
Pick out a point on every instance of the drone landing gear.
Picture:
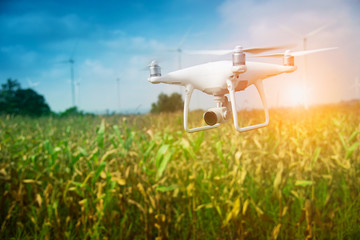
(188, 92)
(215, 116)
(260, 88)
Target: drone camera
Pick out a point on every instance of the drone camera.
(215, 115)
(155, 70)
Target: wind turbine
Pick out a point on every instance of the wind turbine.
(179, 49)
(305, 40)
(71, 61)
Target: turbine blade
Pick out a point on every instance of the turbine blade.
(316, 31)
(266, 49)
(298, 53)
(184, 38)
(247, 50)
(209, 52)
(271, 55)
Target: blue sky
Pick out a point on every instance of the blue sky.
(116, 39)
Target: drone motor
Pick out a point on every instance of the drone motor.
(288, 60)
(155, 70)
(238, 57)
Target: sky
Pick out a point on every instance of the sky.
(112, 42)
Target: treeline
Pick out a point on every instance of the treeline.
(167, 103)
(18, 101)
(15, 100)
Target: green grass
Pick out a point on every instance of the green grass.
(143, 177)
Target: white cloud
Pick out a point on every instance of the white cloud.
(40, 24)
(96, 69)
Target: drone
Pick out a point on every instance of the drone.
(227, 77)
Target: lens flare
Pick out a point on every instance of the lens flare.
(297, 95)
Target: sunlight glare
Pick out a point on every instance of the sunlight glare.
(297, 94)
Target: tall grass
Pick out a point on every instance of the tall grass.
(143, 177)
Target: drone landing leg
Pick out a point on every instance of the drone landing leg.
(260, 88)
(188, 92)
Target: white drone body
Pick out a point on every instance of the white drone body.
(226, 77)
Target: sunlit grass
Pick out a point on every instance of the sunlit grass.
(143, 177)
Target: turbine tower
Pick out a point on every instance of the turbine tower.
(179, 53)
(71, 61)
(179, 48)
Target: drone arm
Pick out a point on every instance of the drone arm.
(259, 87)
(189, 90)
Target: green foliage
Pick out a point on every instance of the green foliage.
(143, 177)
(17, 101)
(71, 112)
(167, 103)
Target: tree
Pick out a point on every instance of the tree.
(72, 111)
(7, 95)
(167, 103)
(15, 100)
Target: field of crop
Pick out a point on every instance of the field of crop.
(143, 177)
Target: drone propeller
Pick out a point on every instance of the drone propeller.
(298, 53)
(150, 62)
(237, 49)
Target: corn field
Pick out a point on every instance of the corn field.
(144, 177)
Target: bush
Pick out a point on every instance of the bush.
(167, 103)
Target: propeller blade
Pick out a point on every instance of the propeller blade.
(271, 55)
(247, 50)
(151, 63)
(266, 49)
(298, 53)
(301, 53)
(316, 31)
(209, 52)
